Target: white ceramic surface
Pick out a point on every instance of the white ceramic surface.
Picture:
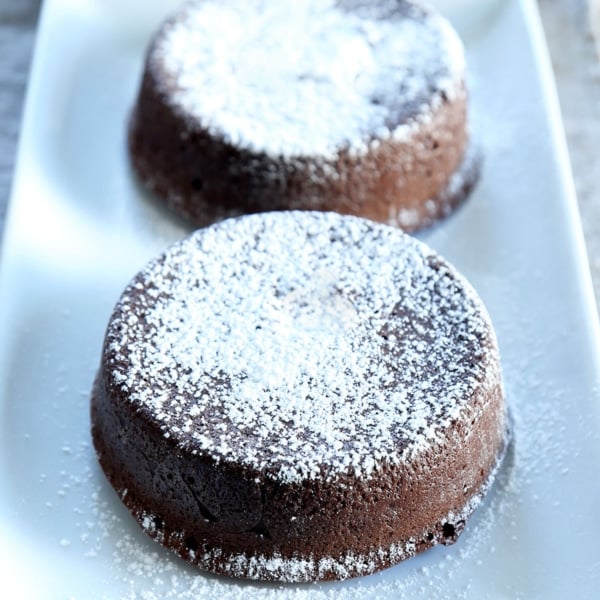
(78, 228)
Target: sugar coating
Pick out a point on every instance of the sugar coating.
(308, 78)
(301, 345)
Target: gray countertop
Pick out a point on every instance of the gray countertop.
(18, 20)
(574, 58)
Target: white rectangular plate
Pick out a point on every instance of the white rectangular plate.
(79, 228)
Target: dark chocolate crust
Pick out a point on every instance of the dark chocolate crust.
(206, 512)
(242, 520)
(411, 181)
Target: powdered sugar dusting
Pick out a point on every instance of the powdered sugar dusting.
(311, 77)
(261, 339)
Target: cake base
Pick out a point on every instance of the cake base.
(297, 569)
(459, 187)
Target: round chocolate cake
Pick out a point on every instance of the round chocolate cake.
(299, 396)
(355, 107)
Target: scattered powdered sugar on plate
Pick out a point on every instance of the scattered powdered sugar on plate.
(142, 570)
(105, 537)
(310, 77)
(103, 533)
(301, 344)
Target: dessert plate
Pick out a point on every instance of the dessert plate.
(79, 228)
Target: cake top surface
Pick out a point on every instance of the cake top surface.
(307, 78)
(300, 344)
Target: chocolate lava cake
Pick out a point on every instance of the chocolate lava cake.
(356, 107)
(299, 396)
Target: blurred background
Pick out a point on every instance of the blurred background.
(573, 34)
